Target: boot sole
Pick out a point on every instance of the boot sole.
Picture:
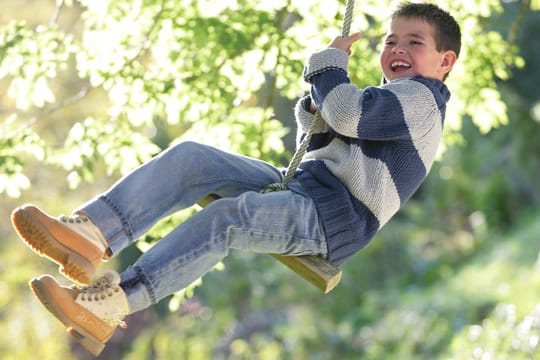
(41, 241)
(87, 340)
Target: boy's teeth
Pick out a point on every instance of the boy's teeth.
(400, 63)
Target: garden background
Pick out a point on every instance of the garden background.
(89, 89)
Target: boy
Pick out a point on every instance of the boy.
(370, 155)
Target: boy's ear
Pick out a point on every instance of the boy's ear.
(448, 61)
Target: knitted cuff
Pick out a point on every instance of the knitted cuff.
(324, 60)
(303, 115)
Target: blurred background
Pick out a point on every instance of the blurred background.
(89, 89)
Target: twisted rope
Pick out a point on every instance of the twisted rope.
(317, 119)
(347, 19)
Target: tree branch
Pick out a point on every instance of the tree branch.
(518, 23)
(59, 105)
(56, 14)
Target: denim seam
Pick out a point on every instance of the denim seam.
(321, 244)
(292, 237)
(255, 184)
(118, 213)
(147, 283)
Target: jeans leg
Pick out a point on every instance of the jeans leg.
(173, 180)
(284, 222)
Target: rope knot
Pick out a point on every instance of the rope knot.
(274, 187)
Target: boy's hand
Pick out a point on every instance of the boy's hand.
(313, 107)
(344, 43)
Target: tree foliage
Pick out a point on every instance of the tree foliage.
(91, 89)
(196, 66)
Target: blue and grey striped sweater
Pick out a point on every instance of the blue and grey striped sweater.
(373, 151)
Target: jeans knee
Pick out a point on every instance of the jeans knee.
(226, 212)
(189, 145)
(221, 206)
(184, 155)
(185, 148)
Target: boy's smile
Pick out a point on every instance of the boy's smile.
(410, 49)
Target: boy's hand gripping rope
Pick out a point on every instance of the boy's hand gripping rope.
(317, 118)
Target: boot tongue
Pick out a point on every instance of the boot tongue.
(84, 226)
(112, 277)
(105, 299)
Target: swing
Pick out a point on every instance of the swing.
(318, 271)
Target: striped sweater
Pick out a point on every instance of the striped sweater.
(374, 149)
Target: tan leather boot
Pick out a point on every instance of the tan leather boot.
(91, 313)
(74, 243)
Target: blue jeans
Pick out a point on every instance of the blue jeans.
(284, 222)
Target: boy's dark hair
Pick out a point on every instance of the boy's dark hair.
(447, 33)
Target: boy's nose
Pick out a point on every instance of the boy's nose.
(398, 50)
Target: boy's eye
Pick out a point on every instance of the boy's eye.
(415, 42)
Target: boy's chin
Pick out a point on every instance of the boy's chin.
(404, 75)
(392, 78)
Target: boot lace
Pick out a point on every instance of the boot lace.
(106, 299)
(74, 219)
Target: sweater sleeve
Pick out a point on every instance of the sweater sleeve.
(304, 118)
(394, 111)
(302, 113)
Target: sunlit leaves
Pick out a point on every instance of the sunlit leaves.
(237, 130)
(89, 141)
(165, 70)
(113, 38)
(191, 62)
(485, 58)
(501, 333)
(31, 58)
(17, 143)
(207, 65)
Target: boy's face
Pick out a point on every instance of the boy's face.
(410, 49)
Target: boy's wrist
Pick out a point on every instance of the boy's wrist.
(328, 59)
(312, 107)
(302, 112)
(308, 104)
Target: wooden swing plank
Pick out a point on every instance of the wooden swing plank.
(317, 271)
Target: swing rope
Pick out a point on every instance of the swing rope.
(317, 119)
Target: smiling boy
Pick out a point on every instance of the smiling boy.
(374, 148)
(380, 142)
(416, 45)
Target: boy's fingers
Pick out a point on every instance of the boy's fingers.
(354, 37)
(345, 43)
